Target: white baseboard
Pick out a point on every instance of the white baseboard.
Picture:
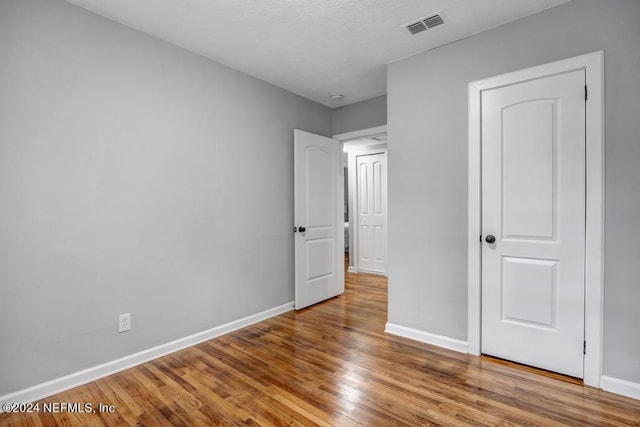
(76, 379)
(426, 337)
(352, 269)
(618, 386)
(375, 273)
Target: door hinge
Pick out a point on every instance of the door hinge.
(586, 93)
(481, 238)
(584, 347)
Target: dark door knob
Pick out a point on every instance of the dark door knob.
(490, 239)
(302, 229)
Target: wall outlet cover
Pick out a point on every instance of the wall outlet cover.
(124, 322)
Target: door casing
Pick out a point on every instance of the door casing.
(593, 64)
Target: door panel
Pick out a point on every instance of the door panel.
(377, 188)
(320, 263)
(318, 191)
(372, 211)
(533, 202)
(529, 165)
(528, 295)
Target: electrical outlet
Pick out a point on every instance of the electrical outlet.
(124, 322)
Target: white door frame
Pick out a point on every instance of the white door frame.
(362, 133)
(593, 64)
(351, 136)
(353, 218)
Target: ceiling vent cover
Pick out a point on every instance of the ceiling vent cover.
(416, 27)
(426, 23)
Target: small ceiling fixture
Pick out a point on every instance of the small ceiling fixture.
(337, 97)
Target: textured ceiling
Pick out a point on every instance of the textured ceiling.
(311, 47)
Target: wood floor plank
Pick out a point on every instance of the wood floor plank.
(332, 364)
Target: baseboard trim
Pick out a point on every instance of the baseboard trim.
(351, 270)
(622, 387)
(79, 378)
(426, 337)
(375, 273)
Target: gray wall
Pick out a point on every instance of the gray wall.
(134, 177)
(427, 97)
(361, 115)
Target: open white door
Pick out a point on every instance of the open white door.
(318, 231)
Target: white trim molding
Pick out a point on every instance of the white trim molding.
(593, 64)
(622, 387)
(426, 337)
(76, 379)
(362, 133)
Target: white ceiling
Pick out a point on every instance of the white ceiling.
(314, 48)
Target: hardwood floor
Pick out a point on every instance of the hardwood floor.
(332, 365)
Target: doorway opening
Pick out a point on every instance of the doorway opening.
(365, 201)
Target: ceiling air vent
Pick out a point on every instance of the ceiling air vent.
(416, 27)
(426, 23)
(433, 21)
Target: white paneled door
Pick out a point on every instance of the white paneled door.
(533, 222)
(371, 192)
(319, 226)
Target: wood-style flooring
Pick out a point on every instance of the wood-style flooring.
(333, 365)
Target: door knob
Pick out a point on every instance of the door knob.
(490, 239)
(302, 229)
